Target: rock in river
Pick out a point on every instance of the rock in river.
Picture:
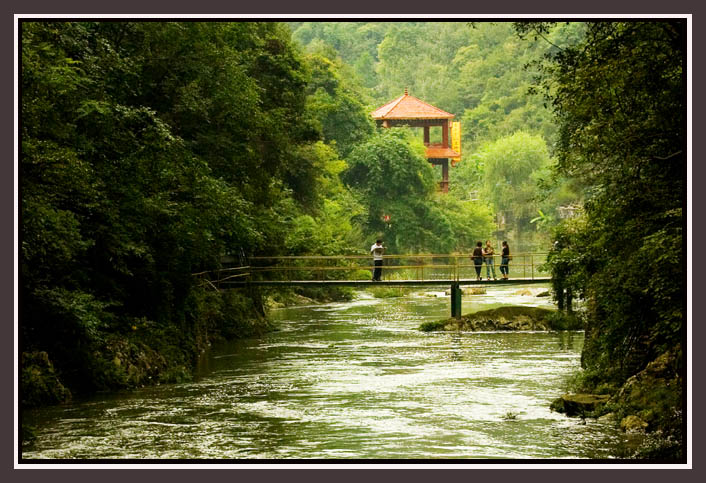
(579, 404)
(502, 318)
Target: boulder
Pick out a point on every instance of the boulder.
(632, 424)
(579, 404)
(653, 394)
(659, 372)
(607, 417)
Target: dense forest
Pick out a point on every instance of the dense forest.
(151, 150)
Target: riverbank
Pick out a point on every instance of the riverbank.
(649, 403)
(147, 352)
(143, 353)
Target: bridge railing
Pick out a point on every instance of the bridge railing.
(423, 267)
(216, 278)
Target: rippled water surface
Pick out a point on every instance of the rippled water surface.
(346, 381)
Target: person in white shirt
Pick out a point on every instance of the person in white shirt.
(377, 250)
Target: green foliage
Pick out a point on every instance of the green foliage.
(386, 167)
(510, 166)
(326, 225)
(565, 321)
(229, 314)
(149, 150)
(468, 221)
(619, 99)
(618, 94)
(495, 72)
(541, 220)
(39, 381)
(609, 85)
(477, 72)
(334, 100)
(393, 178)
(351, 39)
(481, 72)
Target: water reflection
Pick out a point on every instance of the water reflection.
(566, 339)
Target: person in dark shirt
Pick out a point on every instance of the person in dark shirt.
(504, 261)
(477, 258)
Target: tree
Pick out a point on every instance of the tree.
(149, 150)
(393, 178)
(335, 103)
(495, 71)
(619, 98)
(509, 168)
(387, 172)
(327, 227)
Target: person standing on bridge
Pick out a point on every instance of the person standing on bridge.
(488, 253)
(377, 250)
(477, 258)
(505, 260)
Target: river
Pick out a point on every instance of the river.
(348, 381)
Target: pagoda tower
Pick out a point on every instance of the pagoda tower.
(409, 111)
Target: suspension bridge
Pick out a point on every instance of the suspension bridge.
(446, 270)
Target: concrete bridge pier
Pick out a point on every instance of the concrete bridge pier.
(456, 300)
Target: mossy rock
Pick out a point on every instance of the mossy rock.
(437, 325)
(512, 318)
(40, 383)
(579, 404)
(632, 424)
(654, 393)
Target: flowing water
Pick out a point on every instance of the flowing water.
(348, 381)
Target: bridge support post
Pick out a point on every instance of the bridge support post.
(456, 301)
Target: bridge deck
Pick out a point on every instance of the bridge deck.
(395, 283)
(452, 267)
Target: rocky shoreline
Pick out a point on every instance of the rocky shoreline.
(647, 394)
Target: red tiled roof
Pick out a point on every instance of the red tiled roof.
(409, 107)
(441, 152)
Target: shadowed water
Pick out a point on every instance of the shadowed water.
(349, 381)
